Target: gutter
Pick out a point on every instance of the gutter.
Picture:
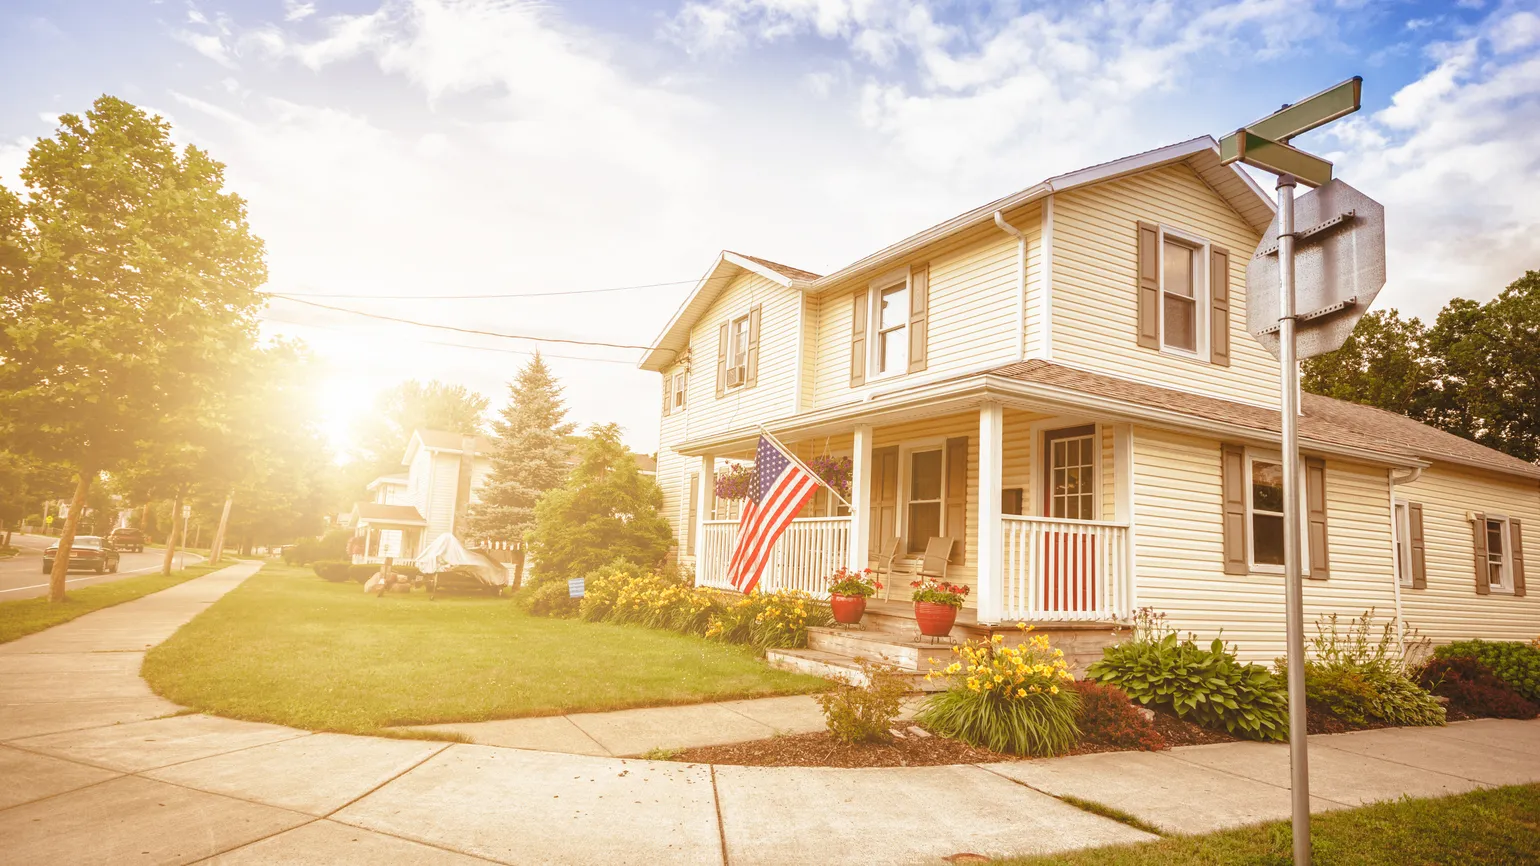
(1021, 283)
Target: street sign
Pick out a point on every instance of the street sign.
(1279, 158)
(1339, 268)
(186, 511)
(1265, 143)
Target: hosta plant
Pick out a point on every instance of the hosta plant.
(1356, 670)
(1513, 662)
(1007, 698)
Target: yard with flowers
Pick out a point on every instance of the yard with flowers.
(289, 648)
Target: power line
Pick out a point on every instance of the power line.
(483, 297)
(462, 330)
(460, 345)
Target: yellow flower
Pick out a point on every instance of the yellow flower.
(1053, 690)
(1021, 693)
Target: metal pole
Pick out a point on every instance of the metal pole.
(1293, 591)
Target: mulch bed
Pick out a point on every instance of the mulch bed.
(1179, 732)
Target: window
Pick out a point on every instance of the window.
(1265, 507)
(738, 351)
(678, 388)
(1497, 553)
(892, 344)
(1403, 532)
(923, 516)
(1070, 468)
(1179, 295)
(1011, 500)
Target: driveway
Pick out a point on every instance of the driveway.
(23, 577)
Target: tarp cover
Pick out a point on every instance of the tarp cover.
(446, 552)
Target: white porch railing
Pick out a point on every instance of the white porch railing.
(1065, 569)
(811, 549)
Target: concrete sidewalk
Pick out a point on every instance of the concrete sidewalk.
(92, 776)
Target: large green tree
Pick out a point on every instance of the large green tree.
(1383, 363)
(607, 510)
(24, 485)
(128, 293)
(530, 457)
(380, 437)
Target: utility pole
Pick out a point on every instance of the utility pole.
(219, 534)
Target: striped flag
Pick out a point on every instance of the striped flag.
(777, 491)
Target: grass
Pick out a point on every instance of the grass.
(25, 616)
(289, 648)
(1114, 813)
(1497, 825)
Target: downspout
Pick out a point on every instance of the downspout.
(1021, 283)
(1411, 475)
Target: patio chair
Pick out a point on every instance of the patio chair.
(885, 557)
(938, 551)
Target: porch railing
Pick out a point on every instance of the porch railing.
(1065, 570)
(810, 550)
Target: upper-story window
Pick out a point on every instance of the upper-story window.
(738, 352)
(1184, 294)
(1179, 296)
(891, 327)
(679, 387)
(889, 321)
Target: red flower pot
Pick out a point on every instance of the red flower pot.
(935, 620)
(848, 609)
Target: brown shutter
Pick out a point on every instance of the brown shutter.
(1516, 542)
(858, 317)
(956, 496)
(1419, 546)
(1219, 306)
(1149, 286)
(1479, 524)
(694, 513)
(1233, 486)
(1315, 508)
(722, 360)
(919, 314)
(884, 497)
(668, 393)
(752, 375)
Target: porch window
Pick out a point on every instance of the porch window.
(1179, 296)
(923, 518)
(1497, 553)
(1266, 513)
(892, 354)
(1070, 467)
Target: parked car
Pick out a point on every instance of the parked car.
(88, 552)
(127, 538)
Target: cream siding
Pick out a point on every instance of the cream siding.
(440, 512)
(1030, 222)
(1449, 608)
(1179, 551)
(1095, 302)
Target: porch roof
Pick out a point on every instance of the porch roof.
(375, 513)
(1327, 426)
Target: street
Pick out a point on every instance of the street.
(23, 577)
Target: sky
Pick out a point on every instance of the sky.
(437, 149)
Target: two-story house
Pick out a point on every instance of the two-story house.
(1062, 381)
(443, 472)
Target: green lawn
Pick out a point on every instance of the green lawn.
(290, 648)
(1498, 825)
(28, 615)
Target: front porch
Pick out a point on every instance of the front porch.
(1038, 506)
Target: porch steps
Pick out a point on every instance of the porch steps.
(836, 666)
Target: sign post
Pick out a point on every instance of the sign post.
(1344, 267)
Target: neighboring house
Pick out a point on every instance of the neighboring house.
(443, 473)
(389, 489)
(1062, 381)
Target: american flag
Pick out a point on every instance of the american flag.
(777, 491)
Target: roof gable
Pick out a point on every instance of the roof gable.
(727, 267)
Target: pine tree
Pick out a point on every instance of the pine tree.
(530, 457)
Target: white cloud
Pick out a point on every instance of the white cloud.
(293, 10)
(208, 44)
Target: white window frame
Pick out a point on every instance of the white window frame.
(890, 280)
(1200, 291)
(1037, 484)
(906, 454)
(1401, 541)
(678, 389)
(1253, 457)
(1506, 560)
(735, 350)
(1094, 439)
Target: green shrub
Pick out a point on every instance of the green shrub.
(334, 570)
(332, 545)
(1473, 689)
(1515, 663)
(1107, 718)
(769, 620)
(549, 599)
(1208, 686)
(865, 713)
(1362, 677)
(1015, 699)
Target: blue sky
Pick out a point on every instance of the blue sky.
(449, 147)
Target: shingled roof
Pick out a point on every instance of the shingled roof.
(786, 271)
(1323, 420)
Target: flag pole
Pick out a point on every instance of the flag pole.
(779, 446)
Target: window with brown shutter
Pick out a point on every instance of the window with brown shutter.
(1419, 551)
(1516, 544)
(752, 359)
(1237, 558)
(668, 393)
(1499, 553)
(722, 349)
(1219, 306)
(858, 325)
(1315, 508)
(884, 497)
(957, 496)
(919, 314)
(1148, 285)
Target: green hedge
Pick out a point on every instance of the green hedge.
(1515, 663)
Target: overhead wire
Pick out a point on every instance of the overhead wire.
(499, 349)
(550, 294)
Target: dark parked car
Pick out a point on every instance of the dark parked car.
(88, 552)
(127, 538)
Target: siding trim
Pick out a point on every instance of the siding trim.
(1045, 316)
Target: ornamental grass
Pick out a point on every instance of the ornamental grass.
(1015, 699)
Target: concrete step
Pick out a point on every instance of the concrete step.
(887, 648)
(835, 666)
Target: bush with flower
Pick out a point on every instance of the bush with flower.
(603, 585)
(833, 471)
(1008, 698)
(936, 591)
(770, 620)
(733, 482)
(862, 583)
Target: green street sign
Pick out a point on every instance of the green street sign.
(1278, 158)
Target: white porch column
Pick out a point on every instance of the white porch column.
(861, 498)
(705, 506)
(1123, 512)
(990, 553)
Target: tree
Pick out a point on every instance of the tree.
(529, 459)
(128, 294)
(1383, 363)
(607, 510)
(412, 405)
(24, 485)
